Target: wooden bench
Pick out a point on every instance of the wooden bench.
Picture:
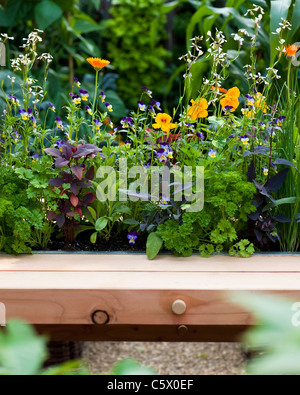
(116, 297)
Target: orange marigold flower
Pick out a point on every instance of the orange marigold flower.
(291, 50)
(217, 88)
(164, 122)
(98, 63)
(231, 99)
(198, 109)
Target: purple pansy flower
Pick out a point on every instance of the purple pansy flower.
(132, 237)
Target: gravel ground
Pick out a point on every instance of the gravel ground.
(170, 358)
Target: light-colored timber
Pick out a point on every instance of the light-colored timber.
(72, 291)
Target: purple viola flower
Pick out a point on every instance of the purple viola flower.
(25, 114)
(227, 109)
(212, 153)
(52, 107)
(59, 123)
(97, 123)
(76, 99)
(128, 144)
(142, 106)
(127, 122)
(89, 110)
(14, 100)
(34, 121)
(164, 153)
(35, 157)
(15, 136)
(156, 104)
(279, 121)
(109, 107)
(103, 96)
(77, 83)
(165, 200)
(245, 139)
(147, 91)
(152, 111)
(200, 135)
(132, 237)
(265, 171)
(60, 144)
(84, 95)
(117, 129)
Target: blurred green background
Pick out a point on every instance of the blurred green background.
(143, 39)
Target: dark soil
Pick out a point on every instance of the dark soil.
(117, 242)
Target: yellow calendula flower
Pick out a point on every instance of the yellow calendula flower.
(198, 109)
(98, 63)
(164, 122)
(231, 99)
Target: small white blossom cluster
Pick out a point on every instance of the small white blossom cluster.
(216, 47)
(191, 58)
(284, 25)
(37, 92)
(4, 37)
(46, 57)
(32, 40)
(20, 62)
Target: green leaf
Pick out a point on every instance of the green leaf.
(101, 224)
(46, 13)
(276, 203)
(130, 367)
(154, 244)
(94, 238)
(21, 351)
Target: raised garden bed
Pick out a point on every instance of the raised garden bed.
(115, 297)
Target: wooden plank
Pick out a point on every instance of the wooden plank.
(127, 307)
(149, 281)
(139, 262)
(142, 333)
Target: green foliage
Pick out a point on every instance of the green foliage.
(154, 245)
(23, 353)
(228, 202)
(136, 33)
(242, 249)
(275, 340)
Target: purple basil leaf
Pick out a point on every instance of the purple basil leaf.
(84, 184)
(51, 216)
(61, 162)
(77, 171)
(282, 218)
(67, 151)
(90, 174)
(57, 182)
(258, 235)
(251, 175)
(272, 238)
(276, 182)
(60, 220)
(53, 152)
(280, 161)
(86, 150)
(74, 188)
(88, 198)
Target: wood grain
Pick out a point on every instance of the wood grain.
(66, 290)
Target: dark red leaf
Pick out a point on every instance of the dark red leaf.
(51, 216)
(85, 150)
(60, 220)
(53, 152)
(77, 171)
(90, 174)
(74, 200)
(57, 182)
(61, 162)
